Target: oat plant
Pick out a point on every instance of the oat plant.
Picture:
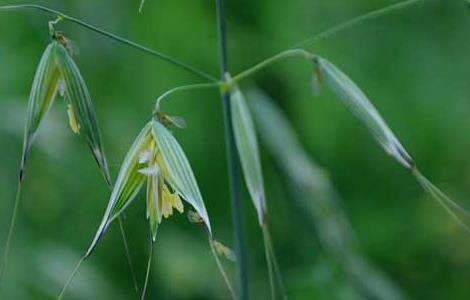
(157, 162)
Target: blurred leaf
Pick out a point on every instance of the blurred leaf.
(141, 7)
(247, 145)
(356, 101)
(81, 110)
(315, 195)
(180, 174)
(43, 92)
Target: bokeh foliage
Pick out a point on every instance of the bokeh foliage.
(413, 64)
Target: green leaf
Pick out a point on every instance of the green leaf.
(247, 145)
(81, 109)
(43, 92)
(179, 175)
(128, 183)
(358, 103)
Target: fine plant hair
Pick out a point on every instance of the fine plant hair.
(157, 162)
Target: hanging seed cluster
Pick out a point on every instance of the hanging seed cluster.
(157, 161)
(58, 73)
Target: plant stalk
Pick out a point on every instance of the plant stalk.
(6, 253)
(232, 157)
(115, 37)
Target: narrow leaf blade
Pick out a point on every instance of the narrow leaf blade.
(43, 92)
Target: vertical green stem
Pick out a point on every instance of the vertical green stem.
(71, 277)
(10, 231)
(233, 171)
(221, 269)
(147, 273)
(269, 262)
(128, 253)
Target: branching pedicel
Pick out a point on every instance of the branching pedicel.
(157, 160)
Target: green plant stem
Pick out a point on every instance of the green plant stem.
(277, 271)
(232, 158)
(296, 51)
(356, 21)
(269, 262)
(269, 61)
(69, 280)
(147, 273)
(184, 88)
(221, 269)
(128, 253)
(115, 37)
(10, 232)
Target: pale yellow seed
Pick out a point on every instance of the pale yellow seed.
(167, 209)
(74, 125)
(177, 203)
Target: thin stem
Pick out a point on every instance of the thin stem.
(115, 37)
(184, 88)
(221, 269)
(295, 51)
(69, 280)
(10, 231)
(355, 21)
(277, 270)
(147, 273)
(128, 253)
(269, 263)
(232, 158)
(269, 61)
(452, 208)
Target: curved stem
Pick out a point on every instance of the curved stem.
(269, 61)
(147, 273)
(184, 88)
(269, 263)
(128, 253)
(355, 21)
(69, 280)
(10, 231)
(277, 270)
(295, 50)
(115, 37)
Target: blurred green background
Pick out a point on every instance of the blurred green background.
(414, 64)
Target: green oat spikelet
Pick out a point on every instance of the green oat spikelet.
(155, 158)
(81, 111)
(180, 175)
(247, 145)
(248, 152)
(58, 72)
(43, 93)
(359, 104)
